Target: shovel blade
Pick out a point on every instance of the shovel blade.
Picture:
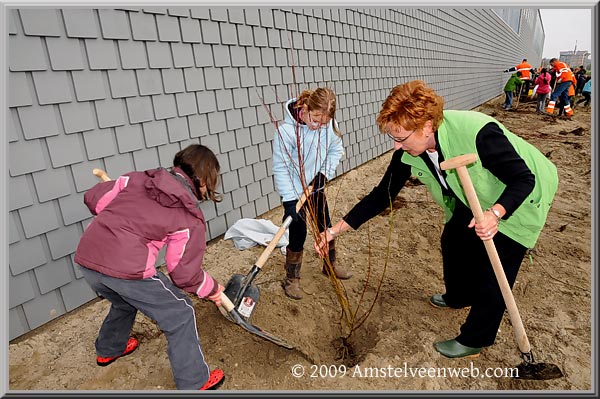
(538, 371)
(236, 318)
(245, 301)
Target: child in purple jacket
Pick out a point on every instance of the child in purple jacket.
(137, 215)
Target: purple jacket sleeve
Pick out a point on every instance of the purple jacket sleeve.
(184, 254)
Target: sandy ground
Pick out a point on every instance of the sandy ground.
(553, 292)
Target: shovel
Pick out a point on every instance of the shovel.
(529, 369)
(227, 308)
(243, 294)
(518, 98)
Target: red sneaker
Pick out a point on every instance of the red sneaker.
(215, 380)
(132, 345)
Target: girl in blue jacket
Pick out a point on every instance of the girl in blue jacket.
(307, 149)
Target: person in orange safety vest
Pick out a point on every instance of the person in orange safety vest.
(564, 80)
(559, 105)
(525, 68)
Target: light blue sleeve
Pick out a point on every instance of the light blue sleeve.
(283, 165)
(335, 151)
(588, 86)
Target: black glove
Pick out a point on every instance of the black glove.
(290, 210)
(318, 183)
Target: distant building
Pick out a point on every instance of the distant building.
(575, 58)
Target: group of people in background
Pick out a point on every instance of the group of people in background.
(554, 87)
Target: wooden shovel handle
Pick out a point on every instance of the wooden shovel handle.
(273, 243)
(459, 164)
(461, 160)
(519, 96)
(101, 174)
(226, 302)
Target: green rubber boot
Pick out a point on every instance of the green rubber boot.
(437, 300)
(453, 349)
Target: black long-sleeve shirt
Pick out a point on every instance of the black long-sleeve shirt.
(496, 154)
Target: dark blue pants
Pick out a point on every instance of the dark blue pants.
(470, 279)
(316, 206)
(159, 299)
(561, 92)
(508, 100)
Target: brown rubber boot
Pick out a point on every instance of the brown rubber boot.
(291, 283)
(340, 272)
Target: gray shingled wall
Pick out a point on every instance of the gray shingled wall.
(124, 89)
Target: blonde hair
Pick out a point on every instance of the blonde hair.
(411, 105)
(321, 100)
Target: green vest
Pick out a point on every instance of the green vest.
(456, 136)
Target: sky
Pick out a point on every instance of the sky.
(578, 24)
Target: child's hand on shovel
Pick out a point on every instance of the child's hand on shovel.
(216, 297)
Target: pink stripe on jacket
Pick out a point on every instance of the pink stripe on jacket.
(120, 184)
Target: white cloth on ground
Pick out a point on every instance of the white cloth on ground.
(247, 233)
